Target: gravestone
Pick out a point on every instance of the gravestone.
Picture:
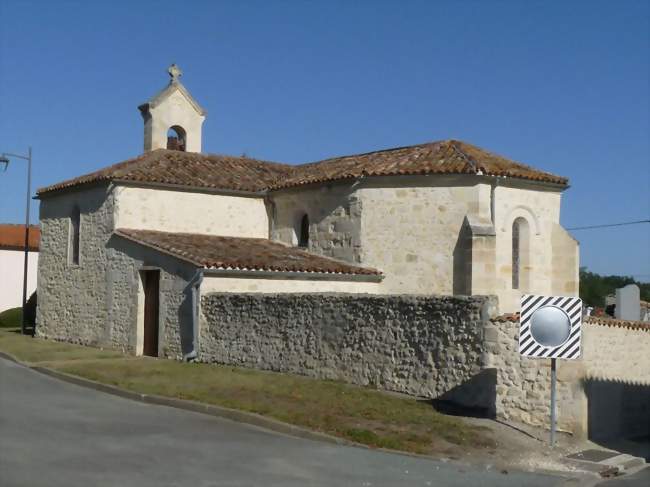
(628, 303)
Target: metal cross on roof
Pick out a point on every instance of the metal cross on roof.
(175, 72)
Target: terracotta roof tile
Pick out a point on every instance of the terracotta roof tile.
(12, 237)
(244, 174)
(445, 157)
(260, 254)
(590, 320)
(633, 325)
(186, 169)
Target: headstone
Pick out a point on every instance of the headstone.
(628, 303)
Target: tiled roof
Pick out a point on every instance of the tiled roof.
(187, 169)
(258, 254)
(445, 157)
(591, 320)
(244, 174)
(633, 325)
(12, 237)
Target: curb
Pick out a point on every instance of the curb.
(11, 358)
(252, 419)
(196, 407)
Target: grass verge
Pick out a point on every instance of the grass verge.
(359, 414)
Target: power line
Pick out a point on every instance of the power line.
(609, 225)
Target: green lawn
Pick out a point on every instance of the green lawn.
(36, 351)
(11, 318)
(356, 413)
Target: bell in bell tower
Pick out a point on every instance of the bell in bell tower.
(172, 118)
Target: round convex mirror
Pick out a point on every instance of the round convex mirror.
(550, 326)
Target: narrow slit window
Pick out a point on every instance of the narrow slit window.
(303, 241)
(521, 267)
(516, 255)
(75, 224)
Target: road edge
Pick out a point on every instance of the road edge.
(253, 419)
(197, 407)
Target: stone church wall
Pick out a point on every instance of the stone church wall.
(411, 227)
(544, 272)
(72, 299)
(420, 345)
(126, 299)
(96, 302)
(334, 213)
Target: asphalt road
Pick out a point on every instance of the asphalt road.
(638, 479)
(57, 434)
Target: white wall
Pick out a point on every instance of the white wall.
(183, 211)
(541, 209)
(174, 110)
(220, 284)
(11, 283)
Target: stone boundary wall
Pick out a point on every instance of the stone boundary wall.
(426, 346)
(604, 394)
(448, 348)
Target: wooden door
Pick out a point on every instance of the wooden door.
(151, 280)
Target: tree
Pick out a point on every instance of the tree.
(594, 287)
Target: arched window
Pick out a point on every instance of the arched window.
(176, 138)
(520, 253)
(75, 230)
(303, 240)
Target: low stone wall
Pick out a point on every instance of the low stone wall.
(522, 383)
(448, 348)
(419, 345)
(603, 394)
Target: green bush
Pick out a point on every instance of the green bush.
(11, 318)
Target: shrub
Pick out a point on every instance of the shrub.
(11, 318)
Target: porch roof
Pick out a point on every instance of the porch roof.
(239, 253)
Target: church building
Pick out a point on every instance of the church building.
(127, 251)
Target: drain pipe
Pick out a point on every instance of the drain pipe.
(195, 283)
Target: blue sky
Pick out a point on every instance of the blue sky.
(563, 86)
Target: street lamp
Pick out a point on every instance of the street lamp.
(4, 159)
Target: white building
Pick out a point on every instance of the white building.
(12, 261)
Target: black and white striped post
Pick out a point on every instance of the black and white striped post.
(550, 327)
